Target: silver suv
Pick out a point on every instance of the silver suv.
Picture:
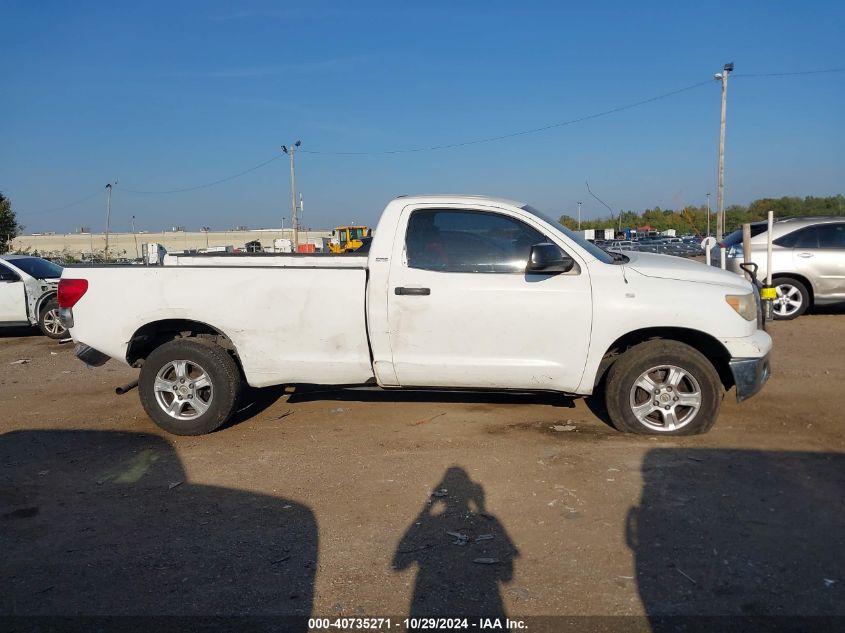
(808, 261)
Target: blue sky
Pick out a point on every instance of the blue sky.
(168, 95)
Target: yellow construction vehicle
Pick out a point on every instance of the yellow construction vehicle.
(346, 239)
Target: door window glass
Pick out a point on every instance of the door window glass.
(802, 238)
(831, 235)
(469, 241)
(8, 275)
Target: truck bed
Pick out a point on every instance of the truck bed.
(290, 318)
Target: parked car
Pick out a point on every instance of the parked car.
(28, 294)
(622, 245)
(808, 261)
(463, 292)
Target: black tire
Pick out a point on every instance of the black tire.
(699, 376)
(203, 359)
(787, 314)
(48, 320)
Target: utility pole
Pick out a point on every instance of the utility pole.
(290, 151)
(579, 216)
(708, 215)
(135, 237)
(720, 193)
(108, 219)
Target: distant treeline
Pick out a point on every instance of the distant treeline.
(694, 219)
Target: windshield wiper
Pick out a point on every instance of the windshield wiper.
(617, 257)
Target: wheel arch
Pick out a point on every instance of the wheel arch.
(43, 299)
(152, 335)
(808, 284)
(708, 345)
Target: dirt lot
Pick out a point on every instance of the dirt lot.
(320, 502)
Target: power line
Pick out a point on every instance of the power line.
(444, 146)
(67, 206)
(515, 134)
(204, 185)
(789, 74)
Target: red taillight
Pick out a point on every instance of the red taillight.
(71, 291)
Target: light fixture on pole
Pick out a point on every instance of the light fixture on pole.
(290, 151)
(720, 192)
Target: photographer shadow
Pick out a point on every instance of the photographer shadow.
(461, 551)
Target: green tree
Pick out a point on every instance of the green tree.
(9, 227)
(568, 221)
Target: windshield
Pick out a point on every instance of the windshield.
(592, 249)
(37, 267)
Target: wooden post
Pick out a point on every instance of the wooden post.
(746, 246)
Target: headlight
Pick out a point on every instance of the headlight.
(744, 305)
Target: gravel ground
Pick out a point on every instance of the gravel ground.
(365, 503)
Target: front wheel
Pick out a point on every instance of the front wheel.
(663, 388)
(48, 320)
(189, 387)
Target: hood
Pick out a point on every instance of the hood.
(680, 269)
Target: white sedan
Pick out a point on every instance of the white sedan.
(28, 294)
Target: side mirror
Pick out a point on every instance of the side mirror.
(548, 259)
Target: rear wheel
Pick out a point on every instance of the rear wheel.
(48, 320)
(792, 299)
(189, 387)
(663, 388)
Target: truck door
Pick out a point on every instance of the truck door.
(462, 311)
(12, 297)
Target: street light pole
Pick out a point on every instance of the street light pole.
(108, 220)
(579, 216)
(720, 192)
(290, 151)
(708, 215)
(135, 237)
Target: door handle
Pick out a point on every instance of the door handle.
(412, 291)
(805, 255)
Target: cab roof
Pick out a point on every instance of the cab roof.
(458, 198)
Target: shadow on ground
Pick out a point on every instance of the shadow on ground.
(254, 401)
(833, 308)
(20, 332)
(741, 533)
(104, 523)
(461, 552)
(316, 393)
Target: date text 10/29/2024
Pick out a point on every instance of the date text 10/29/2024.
(415, 624)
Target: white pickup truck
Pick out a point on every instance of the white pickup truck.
(455, 292)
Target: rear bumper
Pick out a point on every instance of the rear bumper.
(66, 317)
(750, 374)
